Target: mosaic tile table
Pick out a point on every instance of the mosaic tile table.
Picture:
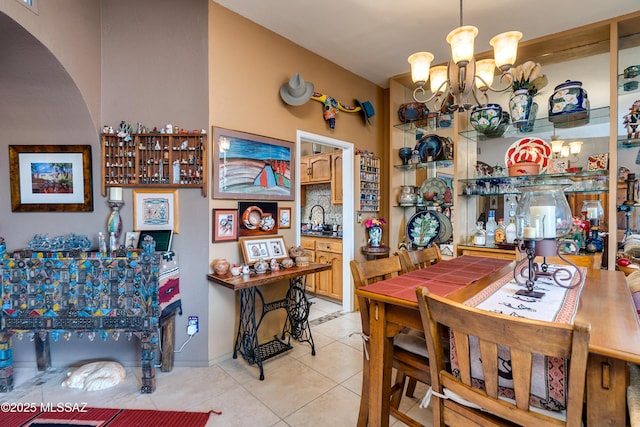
(53, 295)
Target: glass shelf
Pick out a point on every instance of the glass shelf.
(628, 85)
(628, 142)
(543, 127)
(424, 165)
(572, 176)
(426, 125)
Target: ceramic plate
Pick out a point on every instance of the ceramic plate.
(433, 185)
(529, 150)
(429, 146)
(423, 228)
(446, 228)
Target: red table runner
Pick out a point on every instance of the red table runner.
(442, 278)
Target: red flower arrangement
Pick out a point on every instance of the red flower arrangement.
(374, 221)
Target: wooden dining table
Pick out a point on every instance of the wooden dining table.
(605, 303)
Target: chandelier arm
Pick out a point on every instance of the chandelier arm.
(423, 91)
(487, 86)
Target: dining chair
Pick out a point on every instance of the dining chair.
(409, 350)
(422, 258)
(458, 399)
(633, 395)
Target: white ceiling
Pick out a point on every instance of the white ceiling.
(373, 38)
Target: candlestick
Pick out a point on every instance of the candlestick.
(115, 194)
(529, 232)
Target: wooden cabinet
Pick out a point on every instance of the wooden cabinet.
(336, 179)
(309, 245)
(154, 160)
(325, 251)
(315, 169)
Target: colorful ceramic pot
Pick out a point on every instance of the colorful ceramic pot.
(502, 127)
(568, 103)
(632, 71)
(375, 236)
(486, 117)
(412, 111)
(405, 154)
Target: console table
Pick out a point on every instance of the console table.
(55, 294)
(295, 303)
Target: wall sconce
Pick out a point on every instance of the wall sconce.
(561, 150)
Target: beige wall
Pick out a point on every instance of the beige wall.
(155, 62)
(247, 66)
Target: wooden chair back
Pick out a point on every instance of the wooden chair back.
(409, 366)
(523, 337)
(415, 260)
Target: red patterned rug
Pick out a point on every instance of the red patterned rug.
(101, 417)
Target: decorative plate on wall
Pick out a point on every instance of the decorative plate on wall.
(423, 228)
(433, 185)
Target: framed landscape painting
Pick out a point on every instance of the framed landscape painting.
(247, 166)
(50, 178)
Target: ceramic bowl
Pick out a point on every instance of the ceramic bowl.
(632, 71)
(251, 217)
(524, 169)
(486, 117)
(502, 127)
(412, 111)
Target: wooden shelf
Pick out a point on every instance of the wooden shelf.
(154, 160)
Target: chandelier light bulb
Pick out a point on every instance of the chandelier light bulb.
(505, 49)
(420, 64)
(438, 76)
(575, 147)
(485, 70)
(461, 40)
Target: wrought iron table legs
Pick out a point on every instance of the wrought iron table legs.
(296, 325)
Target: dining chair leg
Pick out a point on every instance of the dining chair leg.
(397, 389)
(411, 387)
(363, 414)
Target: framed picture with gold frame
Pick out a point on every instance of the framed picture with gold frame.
(265, 247)
(155, 210)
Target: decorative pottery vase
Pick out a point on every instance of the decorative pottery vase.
(569, 105)
(220, 266)
(523, 110)
(148, 245)
(375, 236)
(114, 222)
(405, 154)
(407, 195)
(3, 250)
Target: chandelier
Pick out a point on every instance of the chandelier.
(463, 76)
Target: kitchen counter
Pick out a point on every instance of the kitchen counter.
(323, 234)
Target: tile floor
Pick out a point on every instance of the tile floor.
(298, 390)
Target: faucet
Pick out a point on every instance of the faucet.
(311, 212)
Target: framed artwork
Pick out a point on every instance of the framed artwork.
(247, 166)
(155, 210)
(284, 217)
(50, 178)
(256, 248)
(131, 239)
(558, 165)
(598, 162)
(257, 218)
(225, 225)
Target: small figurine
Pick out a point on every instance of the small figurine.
(275, 266)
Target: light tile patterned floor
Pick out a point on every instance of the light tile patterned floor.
(299, 389)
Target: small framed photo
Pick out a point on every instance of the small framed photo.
(284, 217)
(256, 248)
(131, 239)
(155, 210)
(225, 225)
(558, 165)
(598, 162)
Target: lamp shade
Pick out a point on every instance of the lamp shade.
(420, 64)
(438, 76)
(485, 69)
(556, 145)
(505, 48)
(575, 147)
(461, 40)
